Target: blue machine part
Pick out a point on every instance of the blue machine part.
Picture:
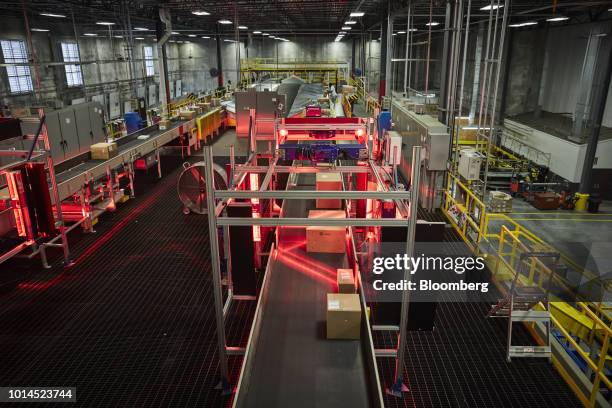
(133, 122)
(384, 123)
(323, 152)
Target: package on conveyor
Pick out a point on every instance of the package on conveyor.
(187, 114)
(164, 124)
(326, 239)
(343, 316)
(346, 281)
(103, 151)
(329, 181)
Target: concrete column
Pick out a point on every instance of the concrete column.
(598, 108)
(219, 62)
(589, 65)
(477, 61)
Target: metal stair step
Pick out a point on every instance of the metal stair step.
(530, 351)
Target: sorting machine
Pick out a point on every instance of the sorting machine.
(288, 361)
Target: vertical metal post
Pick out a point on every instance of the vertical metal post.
(215, 268)
(398, 385)
(476, 82)
(406, 56)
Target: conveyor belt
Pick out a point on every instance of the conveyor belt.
(71, 180)
(291, 362)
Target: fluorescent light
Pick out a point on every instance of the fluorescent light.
(105, 23)
(488, 7)
(256, 32)
(350, 22)
(118, 36)
(192, 35)
(241, 27)
(228, 40)
(206, 37)
(225, 22)
(401, 32)
(139, 38)
(394, 34)
(266, 34)
(413, 29)
(357, 14)
(433, 23)
(527, 23)
(559, 18)
(200, 13)
(90, 35)
(347, 28)
(40, 30)
(175, 33)
(141, 29)
(53, 15)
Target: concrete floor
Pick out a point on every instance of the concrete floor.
(556, 124)
(584, 238)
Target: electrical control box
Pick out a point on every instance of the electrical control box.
(470, 162)
(435, 146)
(393, 147)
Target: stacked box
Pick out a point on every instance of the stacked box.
(343, 316)
(329, 181)
(346, 281)
(187, 114)
(326, 239)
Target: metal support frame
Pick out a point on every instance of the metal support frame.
(398, 384)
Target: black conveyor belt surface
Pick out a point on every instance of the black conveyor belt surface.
(294, 364)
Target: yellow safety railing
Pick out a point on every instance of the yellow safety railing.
(537, 273)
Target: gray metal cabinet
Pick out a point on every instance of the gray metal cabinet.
(69, 133)
(54, 132)
(83, 127)
(96, 118)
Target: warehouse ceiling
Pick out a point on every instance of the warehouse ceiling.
(284, 17)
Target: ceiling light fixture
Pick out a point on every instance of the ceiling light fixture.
(105, 23)
(139, 38)
(200, 13)
(558, 18)
(527, 23)
(39, 30)
(488, 7)
(256, 32)
(141, 29)
(175, 33)
(225, 22)
(350, 22)
(266, 34)
(432, 24)
(347, 28)
(357, 14)
(90, 35)
(241, 27)
(206, 37)
(192, 35)
(401, 32)
(118, 36)
(53, 15)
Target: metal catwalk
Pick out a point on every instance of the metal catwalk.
(293, 363)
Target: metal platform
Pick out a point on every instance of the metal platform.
(289, 361)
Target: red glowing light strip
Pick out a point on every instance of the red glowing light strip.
(254, 186)
(14, 193)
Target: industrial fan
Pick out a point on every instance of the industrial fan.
(192, 186)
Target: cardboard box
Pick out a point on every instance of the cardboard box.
(187, 114)
(326, 239)
(103, 151)
(546, 201)
(164, 124)
(346, 281)
(343, 316)
(329, 181)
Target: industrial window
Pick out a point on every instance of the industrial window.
(19, 76)
(148, 59)
(70, 52)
